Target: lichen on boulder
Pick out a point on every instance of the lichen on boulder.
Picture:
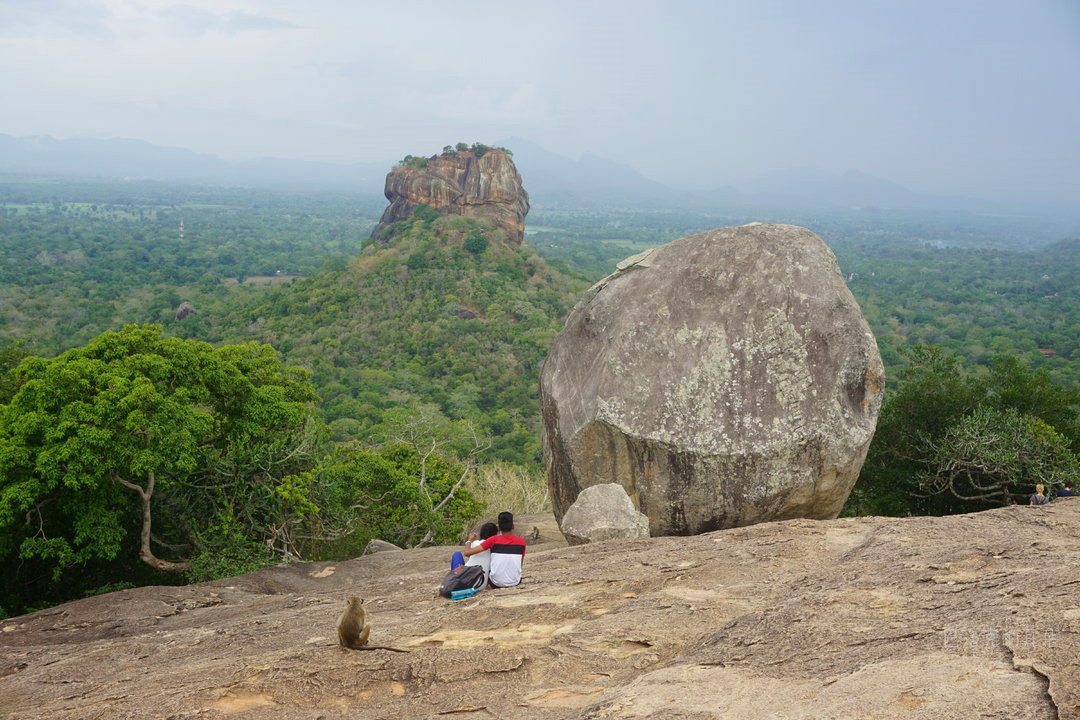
(723, 379)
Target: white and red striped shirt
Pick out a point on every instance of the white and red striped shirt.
(507, 552)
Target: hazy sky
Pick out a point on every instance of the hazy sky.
(979, 97)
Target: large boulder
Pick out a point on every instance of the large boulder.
(460, 183)
(603, 512)
(724, 379)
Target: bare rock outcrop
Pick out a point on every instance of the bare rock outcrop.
(185, 309)
(723, 379)
(949, 618)
(460, 183)
(378, 546)
(603, 512)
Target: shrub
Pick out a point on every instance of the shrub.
(502, 486)
(476, 243)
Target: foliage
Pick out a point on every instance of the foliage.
(10, 356)
(940, 412)
(426, 214)
(477, 148)
(996, 456)
(419, 319)
(77, 259)
(475, 242)
(394, 494)
(225, 550)
(135, 441)
(414, 161)
(502, 486)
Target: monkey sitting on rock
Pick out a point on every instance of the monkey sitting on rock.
(353, 630)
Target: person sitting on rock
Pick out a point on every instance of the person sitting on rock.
(483, 558)
(1067, 491)
(507, 553)
(1039, 498)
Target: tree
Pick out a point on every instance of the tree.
(440, 455)
(137, 441)
(932, 394)
(994, 456)
(940, 408)
(426, 213)
(10, 356)
(476, 243)
(1011, 383)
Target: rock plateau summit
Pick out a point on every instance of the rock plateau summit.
(463, 182)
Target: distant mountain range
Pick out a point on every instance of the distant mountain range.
(136, 159)
(547, 176)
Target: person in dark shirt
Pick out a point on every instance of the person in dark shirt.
(1066, 491)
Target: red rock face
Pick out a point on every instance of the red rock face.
(460, 184)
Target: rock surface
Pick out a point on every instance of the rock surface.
(377, 546)
(185, 309)
(724, 379)
(603, 512)
(853, 619)
(460, 183)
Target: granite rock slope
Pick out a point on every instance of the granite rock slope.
(970, 616)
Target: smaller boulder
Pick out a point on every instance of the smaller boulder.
(603, 512)
(377, 546)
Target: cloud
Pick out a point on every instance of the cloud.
(240, 21)
(519, 105)
(84, 18)
(197, 20)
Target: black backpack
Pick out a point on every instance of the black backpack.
(465, 577)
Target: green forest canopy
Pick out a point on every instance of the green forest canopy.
(435, 323)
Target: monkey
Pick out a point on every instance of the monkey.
(535, 534)
(353, 631)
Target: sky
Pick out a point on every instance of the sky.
(978, 98)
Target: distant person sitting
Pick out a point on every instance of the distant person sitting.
(507, 553)
(483, 558)
(1067, 491)
(1039, 498)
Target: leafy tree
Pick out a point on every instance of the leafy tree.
(430, 446)
(994, 456)
(426, 214)
(10, 356)
(1012, 384)
(461, 147)
(476, 242)
(137, 441)
(414, 161)
(939, 408)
